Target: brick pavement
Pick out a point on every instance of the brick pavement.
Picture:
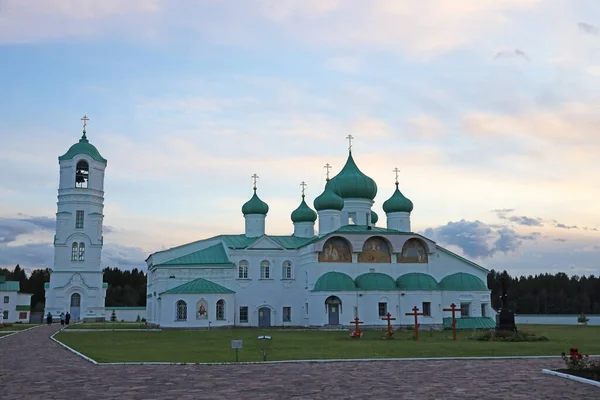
(34, 367)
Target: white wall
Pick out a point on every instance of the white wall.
(168, 310)
(14, 299)
(127, 314)
(549, 319)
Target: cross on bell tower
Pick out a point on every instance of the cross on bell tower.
(350, 137)
(254, 179)
(303, 185)
(397, 171)
(327, 167)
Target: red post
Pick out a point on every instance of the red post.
(454, 310)
(388, 318)
(356, 333)
(415, 313)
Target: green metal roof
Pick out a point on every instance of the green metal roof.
(374, 217)
(23, 308)
(125, 308)
(10, 286)
(462, 281)
(104, 285)
(255, 206)
(304, 213)
(334, 282)
(213, 255)
(328, 200)
(375, 281)
(2, 278)
(471, 323)
(198, 286)
(46, 285)
(397, 203)
(83, 147)
(417, 281)
(352, 183)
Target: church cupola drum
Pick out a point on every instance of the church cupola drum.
(76, 283)
(397, 209)
(255, 212)
(304, 218)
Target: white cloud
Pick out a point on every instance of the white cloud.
(343, 64)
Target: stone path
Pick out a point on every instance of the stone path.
(34, 367)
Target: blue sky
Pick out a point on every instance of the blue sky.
(489, 108)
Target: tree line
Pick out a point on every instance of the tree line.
(539, 294)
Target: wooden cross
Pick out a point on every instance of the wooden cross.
(415, 313)
(356, 332)
(454, 310)
(350, 137)
(396, 170)
(327, 167)
(303, 184)
(254, 177)
(85, 119)
(388, 318)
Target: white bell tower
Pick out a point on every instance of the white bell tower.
(76, 285)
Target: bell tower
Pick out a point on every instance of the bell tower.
(76, 285)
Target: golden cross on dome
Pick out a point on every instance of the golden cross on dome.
(254, 178)
(85, 119)
(350, 137)
(303, 184)
(396, 170)
(327, 167)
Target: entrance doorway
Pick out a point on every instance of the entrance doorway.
(264, 317)
(75, 306)
(334, 305)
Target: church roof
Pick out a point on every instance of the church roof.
(471, 322)
(334, 282)
(303, 213)
(375, 281)
(83, 147)
(197, 286)
(255, 206)
(397, 203)
(462, 281)
(352, 183)
(213, 255)
(417, 281)
(9, 286)
(374, 217)
(328, 200)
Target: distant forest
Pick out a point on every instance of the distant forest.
(539, 294)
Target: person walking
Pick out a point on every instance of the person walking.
(62, 318)
(67, 318)
(49, 318)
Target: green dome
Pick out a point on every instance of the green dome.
(304, 213)
(83, 147)
(352, 183)
(334, 282)
(328, 200)
(255, 206)
(397, 203)
(462, 281)
(417, 281)
(374, 217)
(375, 281)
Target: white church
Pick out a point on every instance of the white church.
(349, 268)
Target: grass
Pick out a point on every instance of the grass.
(4, 334)
(16, 327)
(107, 325)
(214, 346)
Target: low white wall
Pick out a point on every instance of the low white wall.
(558, 319)
(127, 314)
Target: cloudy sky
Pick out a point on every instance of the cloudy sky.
(488, 107)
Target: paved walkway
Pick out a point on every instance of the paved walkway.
(34, 367)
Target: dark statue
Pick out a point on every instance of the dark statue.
(505, 319)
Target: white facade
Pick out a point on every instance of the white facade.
(76, 283)
(126, 314)
(14, 306)
(265, 280)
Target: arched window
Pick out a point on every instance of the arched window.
(286, 270)
(74, 251)
(413, 251)
(221, 310)
(82, 174)
(181, 311)
(81, 251)
(265, 270)
(375, 250)
(75, 300)
(243, 270)
(336, 249)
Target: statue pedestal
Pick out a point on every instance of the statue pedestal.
(505, 320)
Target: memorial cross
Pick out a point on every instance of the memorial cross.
(454, 310)
(356, 332)
(388, 318)
(415, 313)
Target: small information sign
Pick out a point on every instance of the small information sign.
(236, 344)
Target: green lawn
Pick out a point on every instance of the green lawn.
(214, 346)
(107, 325)
(16, 327)
(4, 334)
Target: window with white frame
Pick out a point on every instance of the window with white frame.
(306, 308)
(244, 314)
(351, 218)
(426, 309)
(265, 270)
(483, 310)
(382, 307)
(5, 314)
(466, 308)
(181, 311)
(221, 310)
(243, 270)
(6, 299)
(287, 314)
(286, 272)
(81, 251)
(74, 251)
(79, 219)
